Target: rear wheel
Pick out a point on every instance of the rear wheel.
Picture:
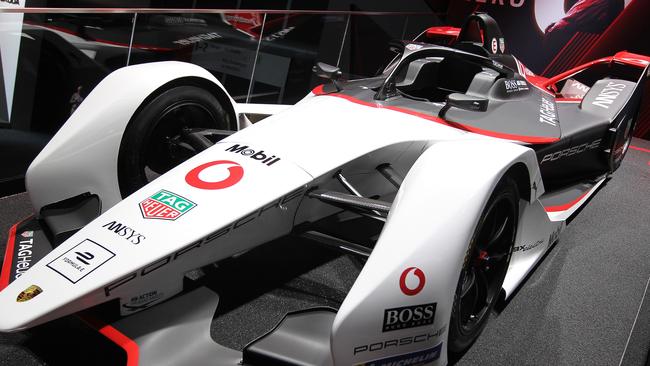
(485, 265)
(620, 143)
(153, 140)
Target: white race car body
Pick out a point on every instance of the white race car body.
(254, 186)
(262, 206)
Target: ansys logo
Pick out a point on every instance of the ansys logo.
(165, 205)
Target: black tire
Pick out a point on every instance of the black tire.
(146, 151)
(620, 143)
(484, 267)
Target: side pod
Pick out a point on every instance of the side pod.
(419, 255)
(82, 156)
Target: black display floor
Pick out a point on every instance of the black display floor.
(585, 304)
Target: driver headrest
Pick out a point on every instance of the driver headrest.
(481, 35)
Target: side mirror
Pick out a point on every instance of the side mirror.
(396, 46)
(464, 101)
(329, 72)
(326, 71)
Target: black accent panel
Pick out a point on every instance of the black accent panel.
(337, 243)
(66, 217)
(505, 59)
(302, 338)
(350, 202)
(482, 83)
(18, 149)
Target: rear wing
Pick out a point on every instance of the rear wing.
(614, 87)
(621, 58)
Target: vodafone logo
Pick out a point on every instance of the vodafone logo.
(195, 178)
(412, 280)
(494, 45)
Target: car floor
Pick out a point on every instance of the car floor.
(586, 303)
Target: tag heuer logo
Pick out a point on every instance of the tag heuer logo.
(165, 205)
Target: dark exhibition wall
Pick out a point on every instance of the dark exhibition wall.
(52, 59)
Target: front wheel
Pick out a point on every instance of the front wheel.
(153, 142)
(485, 265)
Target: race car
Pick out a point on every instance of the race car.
(448, 176)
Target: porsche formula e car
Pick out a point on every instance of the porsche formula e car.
(449, 175)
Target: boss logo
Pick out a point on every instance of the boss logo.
(515, 85)
(409, 317)
(260, 155)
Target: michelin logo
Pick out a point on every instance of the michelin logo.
(411, 359)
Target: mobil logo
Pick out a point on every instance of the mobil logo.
(255, 154)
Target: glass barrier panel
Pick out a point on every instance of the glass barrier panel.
(224, 44)
(366, 50)
(290, 46)
(61, 58)
(10, 37)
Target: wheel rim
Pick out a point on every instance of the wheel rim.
(164, 148)
(621, 144)
(488, 262)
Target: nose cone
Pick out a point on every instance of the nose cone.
(36, 297)
(15, 307)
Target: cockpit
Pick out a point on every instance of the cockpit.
(434, 78)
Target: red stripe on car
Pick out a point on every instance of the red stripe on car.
(127, 344)
(566, 206)
(9, 256)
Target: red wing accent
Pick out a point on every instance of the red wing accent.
(624, 57)
(450, 33)
(537, 81)
(446, 31)
(630, 58)
(127, 344)
(528, 139)
(566, 206)
(9, 256)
